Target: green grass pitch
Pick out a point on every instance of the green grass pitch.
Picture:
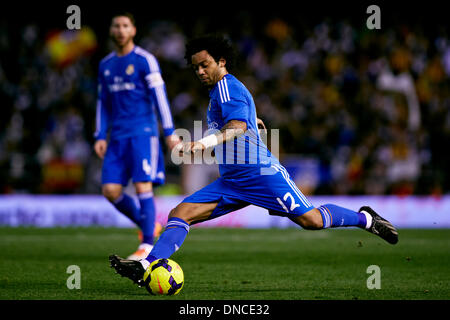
(237, 264)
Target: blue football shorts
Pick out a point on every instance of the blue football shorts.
(139, 158)
(276, 192)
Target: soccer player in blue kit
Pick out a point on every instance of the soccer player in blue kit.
(131, 91)
(249, 173)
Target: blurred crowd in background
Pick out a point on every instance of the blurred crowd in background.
(359, 111)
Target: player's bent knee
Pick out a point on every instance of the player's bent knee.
(172, 214)
(186, 213)
(311, 220)
(192, 212)
(143, 187)
(181, 213)
(112, 191)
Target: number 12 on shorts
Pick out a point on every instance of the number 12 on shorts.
(293, 205)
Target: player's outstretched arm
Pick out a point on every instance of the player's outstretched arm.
(232, 129)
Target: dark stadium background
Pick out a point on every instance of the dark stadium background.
(312, 68)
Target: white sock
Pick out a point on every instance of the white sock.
(368, 219)
(146, 246)
(144, 263)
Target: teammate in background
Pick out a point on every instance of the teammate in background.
(131, 91)
(248, 176)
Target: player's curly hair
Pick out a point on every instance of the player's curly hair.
(216, 45)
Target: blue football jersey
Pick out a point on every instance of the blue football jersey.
(131, 91)
(230, 100)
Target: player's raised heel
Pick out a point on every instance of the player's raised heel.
(381, 227)
(128, 268)
(141, 253)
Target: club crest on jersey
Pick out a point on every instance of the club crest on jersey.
(130, 69)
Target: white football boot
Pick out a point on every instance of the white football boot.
(142, 252)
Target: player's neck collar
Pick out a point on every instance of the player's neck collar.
(223, 77)
(126, 54)
(213, 87)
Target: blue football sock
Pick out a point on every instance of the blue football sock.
(128, 207)
(147, 216)
(170, 240)
(334, 216)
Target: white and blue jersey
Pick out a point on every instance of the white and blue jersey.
(250, 174)
(131, 92)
